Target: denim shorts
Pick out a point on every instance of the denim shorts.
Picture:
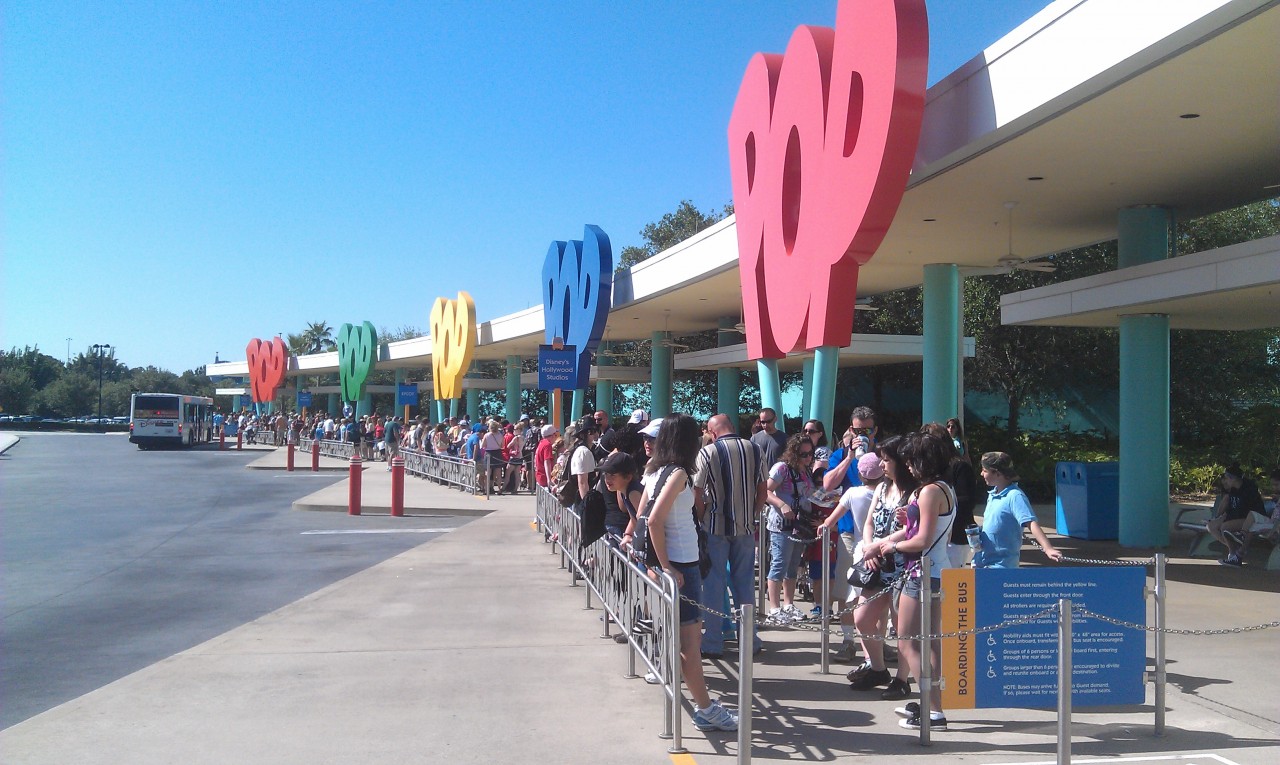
(784, 556)
(910, 586)
(691, 590)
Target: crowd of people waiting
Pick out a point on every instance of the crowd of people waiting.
(885, 502)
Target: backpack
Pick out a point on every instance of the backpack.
(563, 483)
(531, 438)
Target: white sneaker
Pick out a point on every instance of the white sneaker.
(778, 618)
(652, 678)
(793, 613)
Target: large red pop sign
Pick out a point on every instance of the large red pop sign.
(821, 142)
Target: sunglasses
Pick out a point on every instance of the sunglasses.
(805, 454)
(763, 421)
(812, 430)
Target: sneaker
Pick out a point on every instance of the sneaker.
(937, 721)
(872, 678)
(815, 613)
(859, 670)
(778, 617)
(847, 653)
(1231, 560)
(793, 613)
(652, 678)
(912, 709)
(715, 717)
(897, 690)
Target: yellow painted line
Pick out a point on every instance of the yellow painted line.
(683, 759)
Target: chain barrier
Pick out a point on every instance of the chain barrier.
(1083, 612)
(1100, 561)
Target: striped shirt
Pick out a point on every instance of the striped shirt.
(729, 470)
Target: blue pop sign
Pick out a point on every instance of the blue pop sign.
(1017, 667)
(557, 367)
(304, 399)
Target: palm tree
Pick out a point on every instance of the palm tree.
(317, 337)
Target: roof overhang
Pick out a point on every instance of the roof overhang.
(864, 351)
(1236, 287)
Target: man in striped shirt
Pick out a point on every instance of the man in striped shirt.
(729, 490)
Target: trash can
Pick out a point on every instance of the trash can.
(1088, 499)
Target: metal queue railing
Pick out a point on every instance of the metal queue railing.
(645, 610)
(458, 472)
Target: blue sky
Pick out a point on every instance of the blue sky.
(180, 177)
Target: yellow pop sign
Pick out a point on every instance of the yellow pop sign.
(453, 341)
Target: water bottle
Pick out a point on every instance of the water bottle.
(974, 535)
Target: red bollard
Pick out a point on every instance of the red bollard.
(288, 460)
(353, 483)
(397, 487)
(315, 455)
(222, 440)
(239, 438)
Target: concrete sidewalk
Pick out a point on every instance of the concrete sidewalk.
(475, 648)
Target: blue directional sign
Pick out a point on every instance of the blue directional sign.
(406, 394)
(304, 398)
(1017, 667)
(557, 368)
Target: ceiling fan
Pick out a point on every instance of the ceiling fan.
(1009, 263)
(666, 341)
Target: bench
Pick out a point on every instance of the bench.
(1203, 544)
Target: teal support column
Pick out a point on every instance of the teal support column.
(770, 385)
(1144, 236)
(396, 409)
(729, 379)
(442, 412)
(365, 405)
(473, 404)
(579, 403)
(453, 406)
(822, 398)
(604, 388)
(335, 405)
(806, 388)
(940, 393)
(513, 388)
(660, 377)
(1144, 430)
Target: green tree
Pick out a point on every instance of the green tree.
(74, 394)
(672, 229)
(16, 390)
(316, 338)
(41, 368)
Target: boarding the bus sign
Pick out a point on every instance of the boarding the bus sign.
(1017, 666)
(557, 367)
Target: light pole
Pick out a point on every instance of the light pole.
(100, 348)
(68, 351)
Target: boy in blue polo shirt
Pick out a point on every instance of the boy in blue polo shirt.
(1008, 511)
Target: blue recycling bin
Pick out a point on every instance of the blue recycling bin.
(1088, 499)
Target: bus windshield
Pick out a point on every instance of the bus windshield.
(156, 407)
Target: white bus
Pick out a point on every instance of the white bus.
(169, 419)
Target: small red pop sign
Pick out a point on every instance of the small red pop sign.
(821, 142)
(268, 362)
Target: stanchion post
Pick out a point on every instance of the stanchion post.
(824, 537)
(288, 459)
(397, 487)
(1161, 593)
(222, 439)
(926, 648)
(239, 439)
(1064, 682)
(746, 640)
(677, 668)
(353, 485)
(762, 558)
(315, 455)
